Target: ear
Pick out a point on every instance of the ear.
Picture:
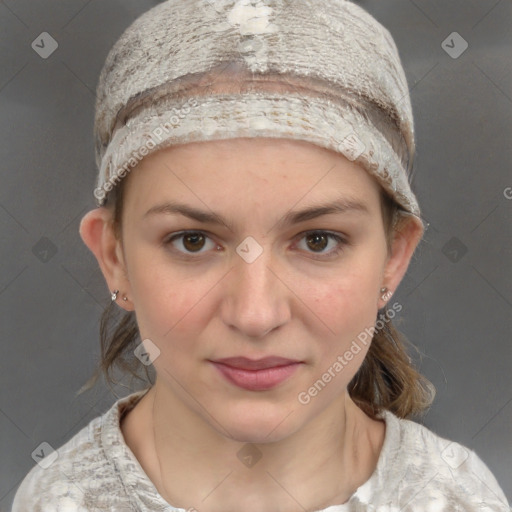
(97, 232)
(406, 238)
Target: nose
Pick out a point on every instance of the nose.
(255, 298)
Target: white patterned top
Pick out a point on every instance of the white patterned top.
(416, 471)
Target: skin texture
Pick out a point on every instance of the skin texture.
(284, 303)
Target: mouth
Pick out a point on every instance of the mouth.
(244, 363)
(256, 375)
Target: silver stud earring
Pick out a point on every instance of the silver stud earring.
(114, 296)
(384, 293)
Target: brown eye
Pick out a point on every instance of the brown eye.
(317, 241)
(191, 242)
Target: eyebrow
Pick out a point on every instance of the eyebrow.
(343, 205)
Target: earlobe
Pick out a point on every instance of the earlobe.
(97, 233)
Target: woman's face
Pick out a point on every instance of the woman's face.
(270, 282)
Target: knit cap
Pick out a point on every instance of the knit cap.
(196, 70)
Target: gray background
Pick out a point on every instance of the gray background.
(457, 295)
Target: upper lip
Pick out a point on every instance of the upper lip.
(244, 363)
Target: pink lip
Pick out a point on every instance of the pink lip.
(256, 375)
(244, 363)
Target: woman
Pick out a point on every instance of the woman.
(254, 219)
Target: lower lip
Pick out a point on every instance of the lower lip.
(257, 380)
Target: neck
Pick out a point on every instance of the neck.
(320, 465)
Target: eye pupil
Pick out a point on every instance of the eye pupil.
(194, 238)
(315, 237)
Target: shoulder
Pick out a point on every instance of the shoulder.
(54, 483)
(436, 472)
(78, 475)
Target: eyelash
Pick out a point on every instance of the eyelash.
(334, 252)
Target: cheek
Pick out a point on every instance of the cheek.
(169, 305)
(344, 304)
(170, 318)
(349, 310)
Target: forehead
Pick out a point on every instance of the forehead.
(262, 169)
(249, 154)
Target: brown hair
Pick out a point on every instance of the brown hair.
(387, 378)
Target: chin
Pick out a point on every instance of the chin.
(259, 426)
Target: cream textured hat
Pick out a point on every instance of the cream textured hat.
(194, 70)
